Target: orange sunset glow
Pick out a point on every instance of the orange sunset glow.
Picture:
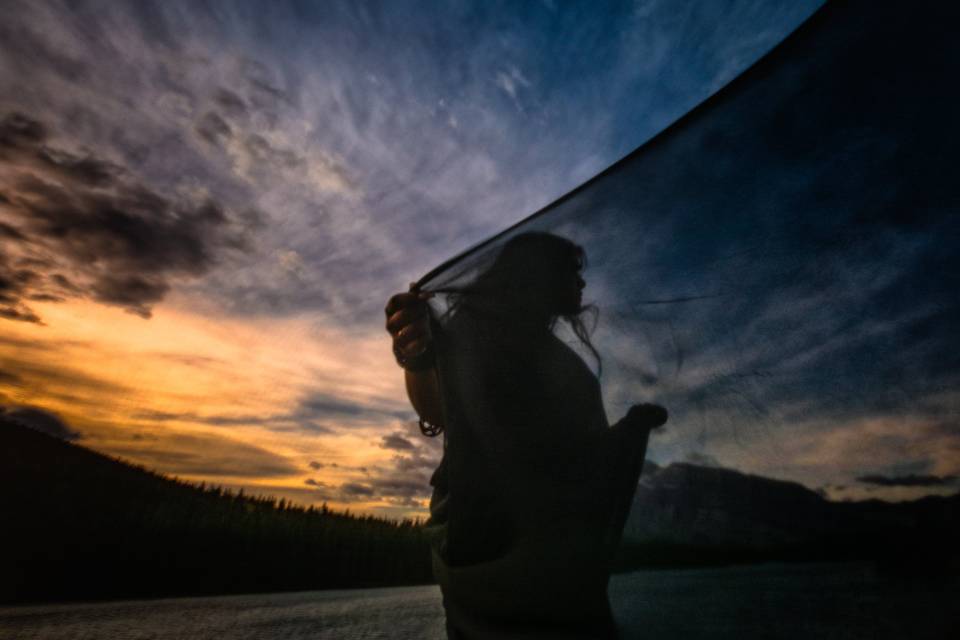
(213, 399)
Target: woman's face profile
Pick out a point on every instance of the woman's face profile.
(569, 293)
(539, 274)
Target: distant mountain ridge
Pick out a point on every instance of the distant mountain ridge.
(689, 506)
(696, 504)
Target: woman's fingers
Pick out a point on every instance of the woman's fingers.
(408, 322)
(414, 347)
(407, 317)
(406, 299)
(410, 334)
(400, 301)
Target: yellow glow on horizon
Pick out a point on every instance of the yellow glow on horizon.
(106, 372)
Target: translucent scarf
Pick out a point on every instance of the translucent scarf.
(785, 258)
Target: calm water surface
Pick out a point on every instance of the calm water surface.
(766, 601)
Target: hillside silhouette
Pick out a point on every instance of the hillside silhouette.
(78, 525)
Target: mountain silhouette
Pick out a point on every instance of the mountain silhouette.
(688, 514)
(81, 525)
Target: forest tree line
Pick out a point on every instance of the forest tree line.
(78, 525)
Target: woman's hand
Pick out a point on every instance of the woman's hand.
(408, 323)
(646, 416)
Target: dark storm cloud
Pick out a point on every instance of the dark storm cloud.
(41, 420)
(912, 480)
(100, 232)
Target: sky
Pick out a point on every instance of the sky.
(205, 205)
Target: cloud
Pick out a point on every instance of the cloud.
(400, 487)
(318, 114)
(10, 378)
(356, 489)
(409, 493)
(317, 412)
(206, 455)
(404, 481)
(97, 230)
(322, 405)
(912, 480)
(288, 113)
(397, 442)
(277, 421)
(264, 156)
(43, 421)
(511, 80)
(40, 368)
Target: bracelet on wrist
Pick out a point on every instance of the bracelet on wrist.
(430, 429)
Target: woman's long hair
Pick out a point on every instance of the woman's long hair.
(524, 285)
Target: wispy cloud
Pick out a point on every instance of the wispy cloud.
(204, 456)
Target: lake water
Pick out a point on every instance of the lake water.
(763, 601)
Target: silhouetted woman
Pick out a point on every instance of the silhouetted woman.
(533, 490)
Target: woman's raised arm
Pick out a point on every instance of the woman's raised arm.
(408, 323)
